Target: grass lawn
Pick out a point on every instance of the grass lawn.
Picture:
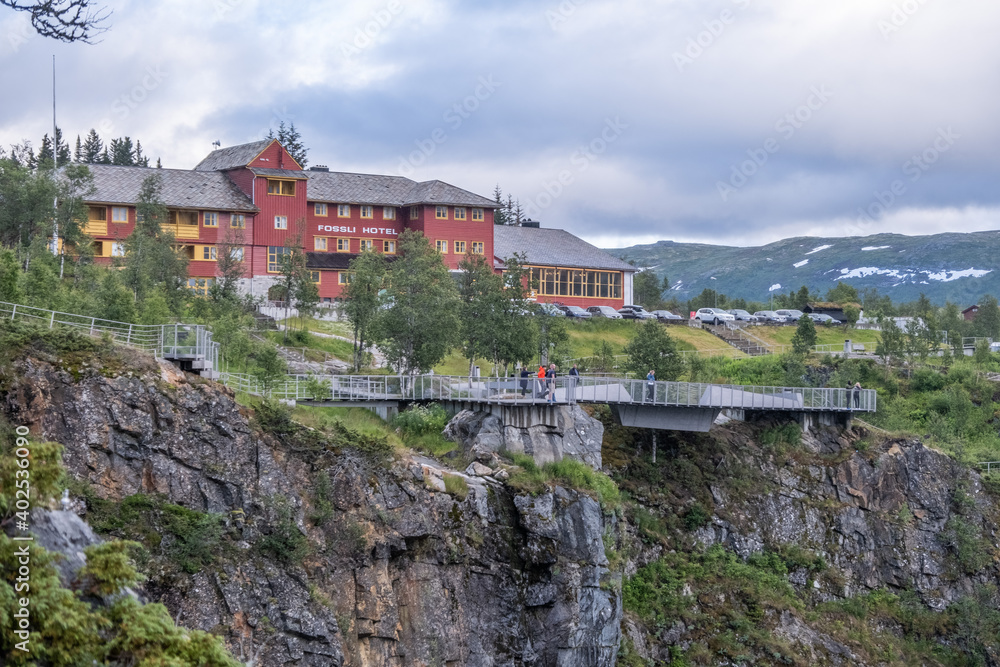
(341, 349)
(320, 326)
(782, 335)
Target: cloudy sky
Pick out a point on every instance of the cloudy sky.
(720, 121)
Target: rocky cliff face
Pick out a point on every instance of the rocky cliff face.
(883, 514)
(397, 573)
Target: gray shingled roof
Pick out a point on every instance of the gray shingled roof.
(345, 188)
(181, 188)
(439, 192)
(552, 247)
(233, 157)
(279, 173)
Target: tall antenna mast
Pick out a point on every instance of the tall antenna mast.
(55, 164)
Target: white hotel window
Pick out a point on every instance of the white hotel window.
(281, 222)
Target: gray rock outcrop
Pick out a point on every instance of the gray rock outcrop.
(544, 433)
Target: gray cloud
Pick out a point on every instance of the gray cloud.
(696, 88)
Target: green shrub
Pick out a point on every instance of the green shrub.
(421, 420)
(696, 517)
(109, 569)
(971, 551)
(195, 540)
(925, 379)
(785, 434)
(322, 498)
(299, 338)
(282, 541)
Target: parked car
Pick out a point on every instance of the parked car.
(821, 318)
(666, 316)
(790, 314)
(632, 312)
(743, 316)
(550, 309)
(713, 315)
(770, 316)
(576, 312)
(604, 311)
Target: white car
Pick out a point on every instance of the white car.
(713, 316)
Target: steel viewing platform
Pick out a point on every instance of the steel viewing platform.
(684, 406)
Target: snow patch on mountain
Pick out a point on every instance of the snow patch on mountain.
(775, 286)
(909, 275)
(822, 247)
(948, 276)
(875, 247)
(799, 265)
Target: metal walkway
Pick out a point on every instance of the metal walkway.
(668, 405)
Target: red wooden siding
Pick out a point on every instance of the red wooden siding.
(275, 157)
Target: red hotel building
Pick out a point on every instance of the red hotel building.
(257, 196)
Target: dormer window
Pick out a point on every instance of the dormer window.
(280, 187)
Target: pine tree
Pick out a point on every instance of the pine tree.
(122, 152)
(92, 148)
(290, 138)
(78, 153)
(140, 160)
(500, 215)
(45, 152)
(105, 156)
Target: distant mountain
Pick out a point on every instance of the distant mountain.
(955, 267)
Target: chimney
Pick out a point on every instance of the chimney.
(319, 167)
(531, 223)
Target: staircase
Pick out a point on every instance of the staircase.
(740, 339)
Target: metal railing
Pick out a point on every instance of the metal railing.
(167, 341)
(194, 342)
(562, 390)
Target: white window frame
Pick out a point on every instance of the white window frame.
(388, 213)
(281, 222)
(343, 210)
(321, 210)
(213, 216)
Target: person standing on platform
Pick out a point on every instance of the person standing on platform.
(651, 385)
